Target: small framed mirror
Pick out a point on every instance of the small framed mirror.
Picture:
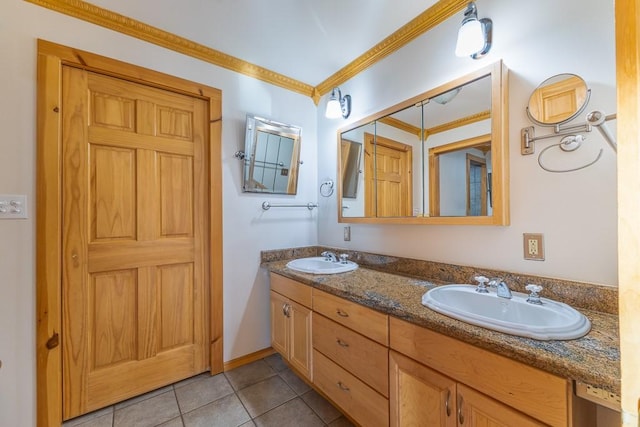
(271, 156)
(558, 100)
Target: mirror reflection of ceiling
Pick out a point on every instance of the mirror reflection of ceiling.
(470, 100)
(273, 34)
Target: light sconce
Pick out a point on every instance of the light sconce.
(474, 36)
(338, 105)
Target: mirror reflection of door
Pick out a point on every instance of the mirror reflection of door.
(271, 165)
(558, 99)
(476, 185)
(350, 152)
(458, 178)
(389, 182)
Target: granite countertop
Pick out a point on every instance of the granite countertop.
(593, 359)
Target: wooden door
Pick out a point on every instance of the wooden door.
(419, 396)
(134, 251)
(391, 174)
(477, 410)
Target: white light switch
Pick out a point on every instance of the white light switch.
(13, 206)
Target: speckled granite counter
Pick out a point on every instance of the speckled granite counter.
(593, 359)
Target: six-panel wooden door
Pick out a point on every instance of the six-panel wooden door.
(135, 254)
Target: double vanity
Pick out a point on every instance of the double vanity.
(365, 340)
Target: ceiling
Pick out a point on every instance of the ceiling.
(306, 40)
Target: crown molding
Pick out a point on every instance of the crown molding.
(88, 12)
(399, 124)
(417, 26)
(134, 28)
(483, 115)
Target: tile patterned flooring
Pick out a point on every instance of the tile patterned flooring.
(264, 393)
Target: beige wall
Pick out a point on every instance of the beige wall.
(575, 211)
(247, 229)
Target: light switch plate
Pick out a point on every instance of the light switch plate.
(13, 206)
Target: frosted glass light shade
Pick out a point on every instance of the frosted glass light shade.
(333, 111)
(470, 38)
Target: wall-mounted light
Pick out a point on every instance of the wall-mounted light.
(474, 36)
(338, 105)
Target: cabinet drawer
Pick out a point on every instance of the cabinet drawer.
(350, 349)
(296, 291)
(369, 323)
(539, 394)
(361, 402)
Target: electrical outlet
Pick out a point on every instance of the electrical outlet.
(533, 246)
(347, 233)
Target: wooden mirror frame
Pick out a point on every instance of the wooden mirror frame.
(499, 152)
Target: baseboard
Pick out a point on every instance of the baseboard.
(248, 358)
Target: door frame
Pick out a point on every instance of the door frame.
(51, 58)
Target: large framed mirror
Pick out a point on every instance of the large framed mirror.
(440, 157)
(271, 156)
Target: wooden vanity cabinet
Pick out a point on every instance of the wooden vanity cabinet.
(291, 318)
(437, 366)
(351, 358)
(422, 396)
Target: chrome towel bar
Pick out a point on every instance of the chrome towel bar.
(266, 206)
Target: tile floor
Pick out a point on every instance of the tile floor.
(263, 393)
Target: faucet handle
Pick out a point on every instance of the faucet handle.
(344, 258)
(534, 296)
(482, 284)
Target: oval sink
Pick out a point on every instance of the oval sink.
(550, 321)
(320, 265)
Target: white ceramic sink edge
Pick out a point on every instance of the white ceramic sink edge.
(320, 265)
(552, 320)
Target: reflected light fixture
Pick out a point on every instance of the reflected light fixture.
(474, 36)
(445, 98)
(338, 105)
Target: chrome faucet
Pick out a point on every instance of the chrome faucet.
(329, 256)
(502, 290)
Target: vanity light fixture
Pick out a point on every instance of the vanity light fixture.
(474, 36)
(338, 105)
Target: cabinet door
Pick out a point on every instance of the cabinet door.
(300, 338)
(477, 410)
(279, 324)
(419, 396)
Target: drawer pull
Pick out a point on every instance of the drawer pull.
(342, 343)
(342, 386)
(446, 403)
(341, 313)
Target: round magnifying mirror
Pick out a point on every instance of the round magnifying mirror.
(558, 100)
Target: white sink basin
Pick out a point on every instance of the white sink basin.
(550, 321)
(320, 265)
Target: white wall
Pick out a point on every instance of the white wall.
(247, 229)
(575, 211)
